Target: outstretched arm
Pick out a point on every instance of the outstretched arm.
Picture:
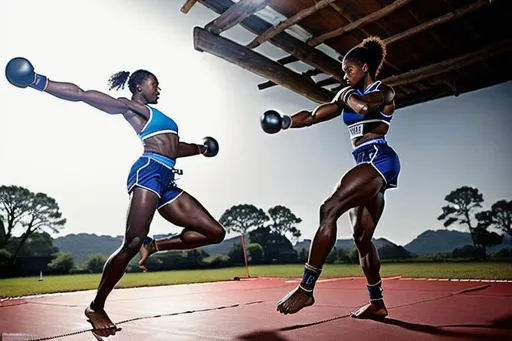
(209, 148)
(190, 149)
(99, 100)
(322, 113)
(20, 72)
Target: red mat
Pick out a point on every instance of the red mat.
(420, 310)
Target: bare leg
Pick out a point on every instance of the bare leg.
(364, 220)
(357, 187)
(200, 228)
(140, 214)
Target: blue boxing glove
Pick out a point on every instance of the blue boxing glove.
(20, 72)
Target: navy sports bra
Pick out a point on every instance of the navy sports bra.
(355, 122)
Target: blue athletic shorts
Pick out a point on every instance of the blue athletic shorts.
(155, 173)
(382, 157)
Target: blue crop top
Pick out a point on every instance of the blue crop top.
(157, 124)
(355, 122)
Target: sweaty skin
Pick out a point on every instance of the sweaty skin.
(199, 227)
(360, 191)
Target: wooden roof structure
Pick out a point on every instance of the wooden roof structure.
(436, 48)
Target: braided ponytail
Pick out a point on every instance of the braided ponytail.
(118, 80)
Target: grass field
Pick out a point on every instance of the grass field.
(16, 287)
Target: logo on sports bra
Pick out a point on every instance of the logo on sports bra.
(356, 130)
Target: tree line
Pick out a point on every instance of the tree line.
(268, 234)
(464, 208)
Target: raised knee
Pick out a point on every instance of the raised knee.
(133, 245)
(218, 235)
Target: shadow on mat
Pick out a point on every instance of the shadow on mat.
(498, 325)
(273, 335)
(266, 335)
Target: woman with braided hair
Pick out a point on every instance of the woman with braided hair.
(150, 182)
(366, 106)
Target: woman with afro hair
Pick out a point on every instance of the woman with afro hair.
(366, 106)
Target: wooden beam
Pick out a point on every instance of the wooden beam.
(449, 65)
(337, 8)
(284, 41)
(327, 81)
(421, 97)
(351, 17)
(188, 5)
(308, 73)
(453, 86)
(226, 49)
(476, 33)
(437, 21)
(283, 25)
(363, 21)
(235, 14)
(288, 60)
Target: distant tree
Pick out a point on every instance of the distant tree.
(95, 263)
(295, 234)
(39, 244)
(236, 255)
(241, 218)
(35, 212)
(467, 251)
(483, 237)
(14, 206)
(62, 264)
(5, 256)
(275, 246)
(43, 214)
(391, 251)
(332, 256)
(3, 236)
(218, 261)
(303, 255)
(461, 209)
(284, 221)
(255, 253)
(462, 202)
(501, 215)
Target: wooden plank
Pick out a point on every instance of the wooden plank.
(363, 21)
(284, 41)
(449, 65)
(309, 73)
(248, 59)
(435, 22)
(337, 8)
(350, 17)
(235, 14)
(273, 31)
(188, 5)
(327, 81)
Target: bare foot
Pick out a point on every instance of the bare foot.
(101, 323)
(374, 309)
(294, 301)
(146, 250)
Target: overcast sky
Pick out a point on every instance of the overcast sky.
(81, 156)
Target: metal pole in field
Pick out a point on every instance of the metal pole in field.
(245, 255)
